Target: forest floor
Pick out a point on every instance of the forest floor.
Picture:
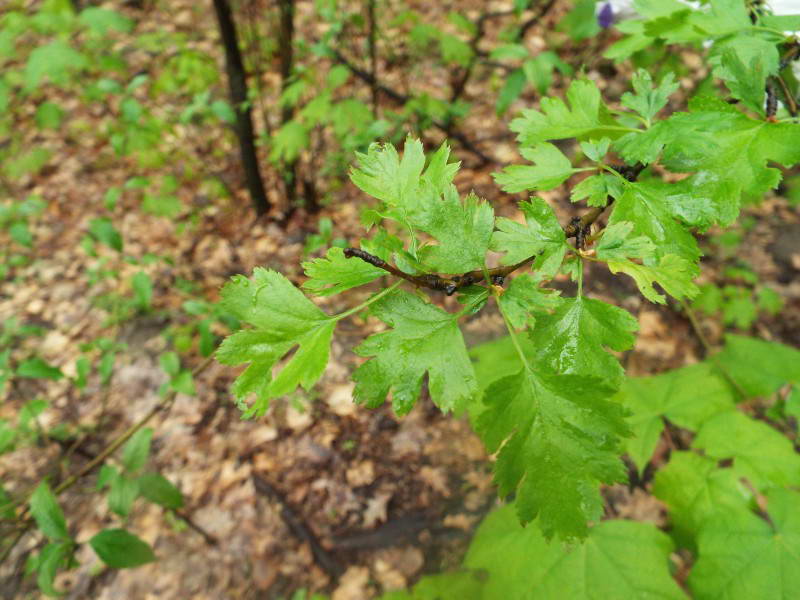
(386, 499)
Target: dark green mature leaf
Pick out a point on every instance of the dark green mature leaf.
(619, 559)
(103, 230)
(688, 397)
(47, 513)
(157, 488)
(552, 168)
(695, 488)
(561, 437)
(424, 339)
(573, 339)
(541, 234)
(122, 493)
(36, 368)
(761, 454)
(586, 116)
(463, 230)
(744, 556)
(53, 556)
(335, 273)
(283, 318)
(760, 367)
(512, 88)
(121, 549)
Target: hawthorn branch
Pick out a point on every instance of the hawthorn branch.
(576, 228)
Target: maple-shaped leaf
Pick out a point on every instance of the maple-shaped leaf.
(647, 99)
(404, 185)
(541, 234)
(423, 339)
(724, 18)
(595, 149)
(694, 488)
(573, 340)
(744, 63)
(524, 298)
(463, 231)
(688, 397)
(618, 559)
(759, 367)
(671, 272)
(735, 167)
(558, 437)
(551, 169)
(760, 453)
(335, 273)
(383, 175)
(282, 318)
(649, 209)
(586, 116)
(596, 189)
(743, 555)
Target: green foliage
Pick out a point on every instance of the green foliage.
(36, 368)
(47, 514)
(619, 559)
(121, 549)
(423, 339)
(541, 236)
(686, 397)
(562, 441)
(743, 554)
(263, 303)
(574, 337)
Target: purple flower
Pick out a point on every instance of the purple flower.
(606, 16)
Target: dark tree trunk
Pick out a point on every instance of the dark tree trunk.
(286, 49)
(237, 83)
(373, 57)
